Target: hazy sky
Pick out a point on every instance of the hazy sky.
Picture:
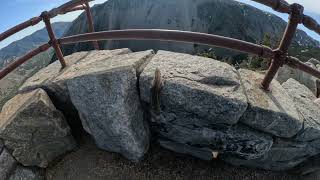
(13, 12)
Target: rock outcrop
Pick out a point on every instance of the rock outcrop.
(106, 97)
(192, 105)
(57, 88)
(288, 153)
(34, 129)
(200, 99)
(195, 89)
(270, 112)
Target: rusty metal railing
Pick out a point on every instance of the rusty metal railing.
(45, 16)
(279, 56)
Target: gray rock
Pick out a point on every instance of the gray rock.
(310, 112)
(56, 88)
(288, 153)
(304, 78)
(22, 173)
(106, 97)
(284, 155)
(237, 140)
(199, 100)
(34, 129)
(45, 77)
(272, 112)
(7, 164)
(195, 88)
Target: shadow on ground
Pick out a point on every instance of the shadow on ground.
(88, 162)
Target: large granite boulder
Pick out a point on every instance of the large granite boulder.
(34, 129)
(310, 112)
(271, 112)
(288, 153)
(57, 89)
(195, 89)
(106, 96)
(7, 164)
(201, 101)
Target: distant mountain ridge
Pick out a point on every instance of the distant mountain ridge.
(222, 17)
(20, 47)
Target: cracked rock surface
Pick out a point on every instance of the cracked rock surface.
(189, 104)
(34, 129)
(106, 96)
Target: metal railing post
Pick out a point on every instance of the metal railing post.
(90, 24)
(53, 41)
(295, 19)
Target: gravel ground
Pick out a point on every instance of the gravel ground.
(88, 162)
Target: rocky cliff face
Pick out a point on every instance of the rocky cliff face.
(223, 17)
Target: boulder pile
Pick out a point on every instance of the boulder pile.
(189, 104)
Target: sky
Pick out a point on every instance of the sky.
(13, 12)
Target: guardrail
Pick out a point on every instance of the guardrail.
(279, 56)
(45, 16)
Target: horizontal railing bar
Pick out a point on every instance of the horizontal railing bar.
(61, 9)
(76, 8)
(12, 66)
(311, 24)
(172, 35)
(283, 7)
(297, 64)
(277, 5)
(33, 21)
(20, 27)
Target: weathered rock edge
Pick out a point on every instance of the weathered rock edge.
(34, 129)
(184, 128)
(201, 131)
(107, 99)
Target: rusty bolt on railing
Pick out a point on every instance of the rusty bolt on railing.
(53, 41)
(279, 60)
